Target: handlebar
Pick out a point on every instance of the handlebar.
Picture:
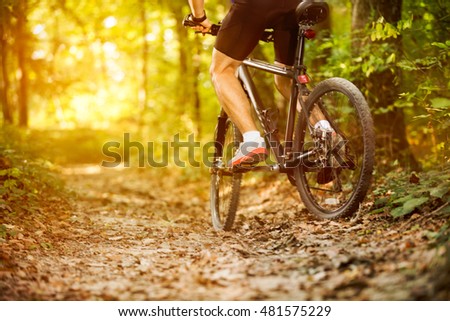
(267, 36)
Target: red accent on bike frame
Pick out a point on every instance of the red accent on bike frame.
(303, 79)
(310, 34)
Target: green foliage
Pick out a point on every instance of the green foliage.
(426, 96)
(400, 194)
(24, 177)
(442, 236)
(329, 54)
(415, 51)
(383, 30)
(78, 146)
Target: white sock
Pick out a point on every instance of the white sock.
(324, 124)
(252, 136)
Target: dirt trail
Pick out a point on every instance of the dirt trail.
(137, 235)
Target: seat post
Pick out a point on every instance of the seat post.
(300, 50)
(295, 89)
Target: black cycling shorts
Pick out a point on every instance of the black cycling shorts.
(246, 21)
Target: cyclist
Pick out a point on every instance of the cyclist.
(240, 32)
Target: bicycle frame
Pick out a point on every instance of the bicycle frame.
(297, 74)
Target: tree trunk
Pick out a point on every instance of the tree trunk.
(4, 81)
(143, 92)
(21, 43)
(189, 71)
(382, 86)
(196, 88)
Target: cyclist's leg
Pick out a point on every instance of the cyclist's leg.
(238, 36)
(236, 104)
(229, 91)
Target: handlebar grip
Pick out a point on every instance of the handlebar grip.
(187, 22)
(214, 30)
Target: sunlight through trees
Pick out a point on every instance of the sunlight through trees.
(70, 64)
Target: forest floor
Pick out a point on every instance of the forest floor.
(136, 234)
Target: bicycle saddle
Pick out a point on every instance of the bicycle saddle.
(310, 12)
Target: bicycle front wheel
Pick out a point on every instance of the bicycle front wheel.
(335, 178)
(225, 184)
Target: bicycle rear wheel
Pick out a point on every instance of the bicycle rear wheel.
(225, 184)
(334, 181)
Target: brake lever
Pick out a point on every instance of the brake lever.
(212, 31)
(187, 22)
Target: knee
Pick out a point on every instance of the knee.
(222, 66)
(213, 71)
(218, 72)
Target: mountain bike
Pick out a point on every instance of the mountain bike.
(331, 169)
